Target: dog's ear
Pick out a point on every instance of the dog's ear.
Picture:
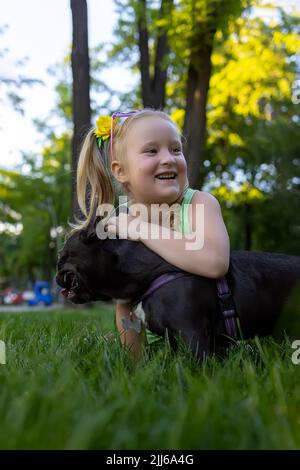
(89, 234)
(133, 257)
(96, 228)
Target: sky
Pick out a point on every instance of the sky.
(42, 31)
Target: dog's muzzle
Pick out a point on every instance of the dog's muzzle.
(75, 289)
(69, 283)
(72, 286)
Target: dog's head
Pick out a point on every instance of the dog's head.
(91, 268)
(78, 266)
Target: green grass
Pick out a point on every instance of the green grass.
(67, 386)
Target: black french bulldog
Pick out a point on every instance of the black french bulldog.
(90, 269)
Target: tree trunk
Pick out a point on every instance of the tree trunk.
(194, 129)
(153, 88)
(81, 89)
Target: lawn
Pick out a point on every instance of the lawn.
(67, 385)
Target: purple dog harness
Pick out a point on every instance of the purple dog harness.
(224, 294)
(227, 307)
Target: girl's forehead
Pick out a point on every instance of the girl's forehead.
(152, 128)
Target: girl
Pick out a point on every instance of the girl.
(145, 157)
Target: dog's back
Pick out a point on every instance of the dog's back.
(261, 283)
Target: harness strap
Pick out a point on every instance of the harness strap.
(224, 294)
(159, 282)
(227, 307)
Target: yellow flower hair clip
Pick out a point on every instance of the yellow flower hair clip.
(103, 128)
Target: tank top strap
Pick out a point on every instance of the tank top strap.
(184, 212)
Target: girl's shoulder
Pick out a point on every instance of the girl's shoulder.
(192, 199)
(195, 196)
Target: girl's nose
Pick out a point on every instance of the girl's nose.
(166, 156)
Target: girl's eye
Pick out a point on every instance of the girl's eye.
(178, 150)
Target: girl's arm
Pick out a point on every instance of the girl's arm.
(205, 253)
(130, 338)
(210, 260)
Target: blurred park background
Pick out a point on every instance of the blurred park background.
(227, 71)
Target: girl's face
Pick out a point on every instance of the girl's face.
(156, 170)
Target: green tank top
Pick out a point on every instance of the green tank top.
(184, 212)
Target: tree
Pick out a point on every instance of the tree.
(34, 209)
(153, 87)
(175, 42)
(207, 17)
(81, 88)
(252, 152)
(35, 198)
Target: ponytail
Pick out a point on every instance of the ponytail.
(94, 165)
(92, 170)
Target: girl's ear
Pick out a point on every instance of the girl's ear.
(118, 172)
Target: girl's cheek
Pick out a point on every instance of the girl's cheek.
(148, 167)
(182, 163)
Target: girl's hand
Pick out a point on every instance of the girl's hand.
(125, 226)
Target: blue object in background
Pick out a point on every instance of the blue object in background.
(42, 294)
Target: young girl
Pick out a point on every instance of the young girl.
(144, 155)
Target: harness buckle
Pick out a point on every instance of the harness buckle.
(226, 303)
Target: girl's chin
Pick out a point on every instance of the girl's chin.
(167, 194)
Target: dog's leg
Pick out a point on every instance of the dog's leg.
(199, 343)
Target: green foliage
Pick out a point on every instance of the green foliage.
(252, 132)
(190, 27)
(252, 151)
(37, 195)
(38, 198)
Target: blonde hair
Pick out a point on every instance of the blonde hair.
(94, 167)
